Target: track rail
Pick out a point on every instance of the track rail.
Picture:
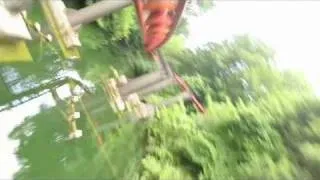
(158, 20)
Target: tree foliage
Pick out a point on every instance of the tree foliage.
(239, 68)
(261, 123)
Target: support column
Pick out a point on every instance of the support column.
(156, 87)
(142, 81)
(96, 11)
(185, 96)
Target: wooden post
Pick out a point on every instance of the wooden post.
(155, 87)
(96, 11)
(182, 96)
(114, 94)
(55, 13)
(73, 115)
(147, 82)
(122, 80)
(140, 109)
(155, 80)
(141, 82)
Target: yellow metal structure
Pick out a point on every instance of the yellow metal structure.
(14, 52)
(54, 11)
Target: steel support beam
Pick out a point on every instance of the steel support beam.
(141, 82)
(185, 96)
(96, 11)
(156, 87)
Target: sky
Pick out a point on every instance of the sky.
(291, 28)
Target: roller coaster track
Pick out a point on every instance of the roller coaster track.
(158, 19)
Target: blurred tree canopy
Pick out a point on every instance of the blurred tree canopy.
(239, 68)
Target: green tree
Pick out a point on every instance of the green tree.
(239, 68)
(261, 123)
